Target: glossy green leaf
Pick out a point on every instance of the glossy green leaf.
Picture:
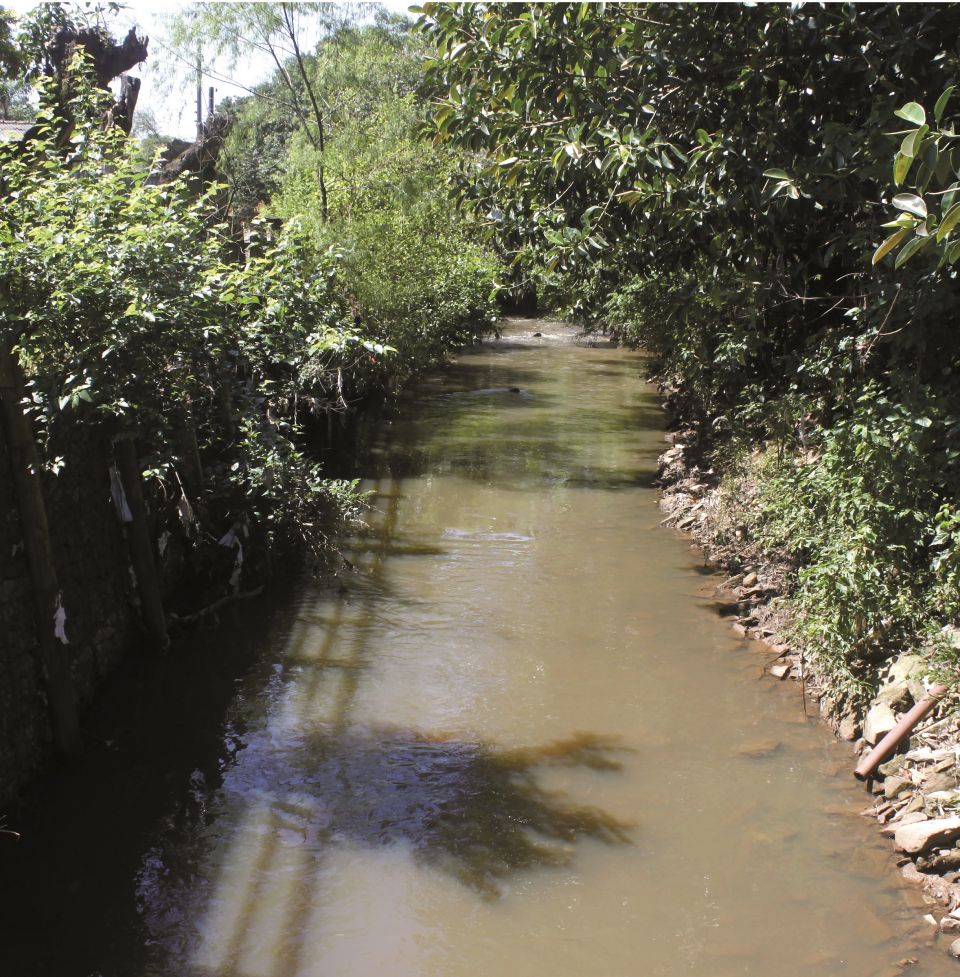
(941, 105)
(910, 249)
(949, 222)
(901, 167)
(912, 112)
(888, 245)
(911, 203)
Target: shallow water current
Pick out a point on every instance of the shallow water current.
(517, 739)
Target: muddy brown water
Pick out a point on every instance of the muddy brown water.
(518, 740)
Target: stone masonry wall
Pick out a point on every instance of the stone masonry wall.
(93, 569)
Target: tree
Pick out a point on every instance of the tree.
(712, 180)
(277, 30)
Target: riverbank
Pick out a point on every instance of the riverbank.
(916, 791)
(466, 744)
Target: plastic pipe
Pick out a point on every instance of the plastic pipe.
(866, 767)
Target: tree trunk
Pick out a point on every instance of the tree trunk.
(141, 548)
(51, 635)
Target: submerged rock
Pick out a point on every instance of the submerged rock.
(759, 748)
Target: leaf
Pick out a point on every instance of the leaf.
(888, 245)
(912, 112)
(776, 175)
(911, 203)
(901, 167)
(509, 162)
(948, 223)
(911, 142)
(902, 220)
(941, 105)
(910, 249)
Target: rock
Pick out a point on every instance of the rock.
(760, 748)
(750, 580)
(906, 667)
(892, 767)
(849, 728)
(738, 629)
(915, 838)
(939, 781)
(893, 786)
(947, 862)
(912, 875)
(889, 830)
(879, 721)
(896, 695)
(915, 805)
(780, 671)
(954, 950)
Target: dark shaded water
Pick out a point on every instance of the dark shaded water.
(516, 741)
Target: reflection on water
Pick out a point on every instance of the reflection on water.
(387, 778)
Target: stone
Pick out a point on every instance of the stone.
(896, 695)
(849, 728)
(892, 767)
(954, 950)
(780, 671)
(759, 748)
(906, 667)
(879, 720)
(939, 781)
(912, 875)
(914, 817)
(893, 786)
(750, 580)
(918, 837)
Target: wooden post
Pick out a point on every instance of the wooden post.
(141, 549)
(51, 635)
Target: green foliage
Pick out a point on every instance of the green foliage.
(859, 514)
(128, 311)
(417, 281)
(929, 216)
(705, 179)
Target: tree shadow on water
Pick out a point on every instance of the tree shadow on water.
(477, 813)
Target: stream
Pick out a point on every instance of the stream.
(517, 739)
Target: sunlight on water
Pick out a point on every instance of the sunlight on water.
(515, 739)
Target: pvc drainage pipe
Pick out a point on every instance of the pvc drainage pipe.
(866, 767)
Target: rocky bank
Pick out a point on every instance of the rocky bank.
(915, 794)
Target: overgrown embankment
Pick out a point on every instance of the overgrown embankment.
(765, 198)
(178, 344)
(693, 179)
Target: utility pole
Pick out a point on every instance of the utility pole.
(210, 92)
(199, 98)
